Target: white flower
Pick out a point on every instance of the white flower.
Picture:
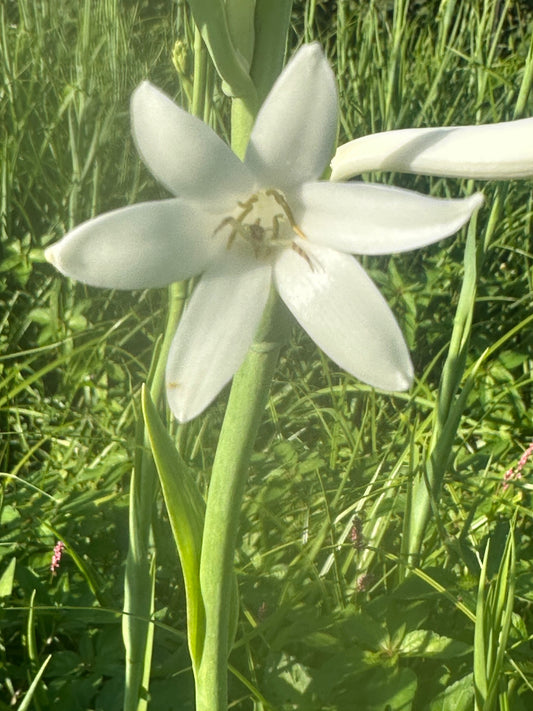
(246, 225)
(499, 150)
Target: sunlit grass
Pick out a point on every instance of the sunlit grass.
(332, 609)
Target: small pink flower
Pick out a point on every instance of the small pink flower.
(516, 473)
(56, 556)
(363, 582)
(524, 458)
(356, 534)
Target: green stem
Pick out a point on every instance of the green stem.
(200, 73)
(247, 402)
(242, 119)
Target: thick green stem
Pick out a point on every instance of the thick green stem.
(247, 402)
(242, 119)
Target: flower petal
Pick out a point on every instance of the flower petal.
(183, 153)
(365, 218)
(215, 332)
(500, 150)
(342, 310)
(146, 245)
(294, 133)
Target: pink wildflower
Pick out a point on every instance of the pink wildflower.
(356, 534)
(516, 473)
(56, 557)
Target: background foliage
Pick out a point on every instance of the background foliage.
(330, 610)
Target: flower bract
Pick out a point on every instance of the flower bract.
(243, 226)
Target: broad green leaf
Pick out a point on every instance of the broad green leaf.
(426, 643)
(456, 697)
(367, 631)
(383, 688)
(295, 674)
(186, 508)
(7, 578)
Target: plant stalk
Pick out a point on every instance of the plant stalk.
(247, 402)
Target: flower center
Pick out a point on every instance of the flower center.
(266, 223)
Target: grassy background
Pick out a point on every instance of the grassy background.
(329, 612)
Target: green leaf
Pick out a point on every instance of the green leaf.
(7, 579)
(272, 21)
(383, 688)
(457, 697)
(294, 674)
(186, 510)
(367, 631)
(493, 622)
(240, 16)
(425, 643)
(211, 18)
(29, 695)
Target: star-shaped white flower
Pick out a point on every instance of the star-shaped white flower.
(245, 225)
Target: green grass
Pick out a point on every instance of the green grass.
(330, 608)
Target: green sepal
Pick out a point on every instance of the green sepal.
(186, 511)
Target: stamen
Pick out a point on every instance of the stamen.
(280, 199)
(264, 239)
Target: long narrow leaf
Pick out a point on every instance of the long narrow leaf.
(25, 705)
(211, 18)
(493, 621)
(186, 508)
(480, 663)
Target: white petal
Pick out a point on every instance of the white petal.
(293, 136)
(342, 310)
(183, 153)
(365, 218)
(499, 150)
(215, 332)
(146, 245)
